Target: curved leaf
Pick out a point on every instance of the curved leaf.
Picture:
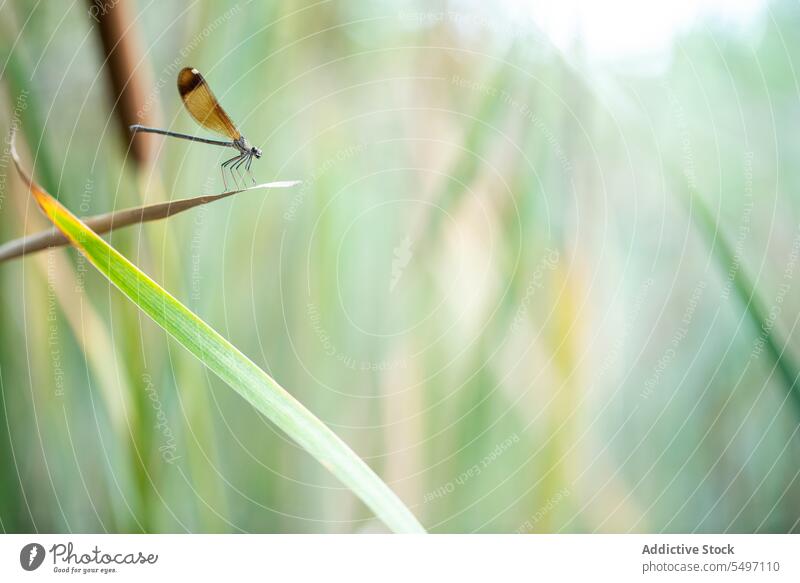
(231, 365)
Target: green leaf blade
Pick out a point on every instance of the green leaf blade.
(232, 366)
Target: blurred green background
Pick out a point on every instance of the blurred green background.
(539, 274)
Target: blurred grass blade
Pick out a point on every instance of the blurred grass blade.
(116, 220)
(744, 288)
(225, 360)
(477, 137)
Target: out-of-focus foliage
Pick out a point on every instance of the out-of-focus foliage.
(491, 284)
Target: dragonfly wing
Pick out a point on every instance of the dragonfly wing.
(202, 104)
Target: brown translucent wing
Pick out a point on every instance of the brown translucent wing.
(202, 104)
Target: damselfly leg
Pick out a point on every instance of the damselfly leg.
(227, 163)
(247, 167)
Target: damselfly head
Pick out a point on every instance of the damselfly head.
(255, 152)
